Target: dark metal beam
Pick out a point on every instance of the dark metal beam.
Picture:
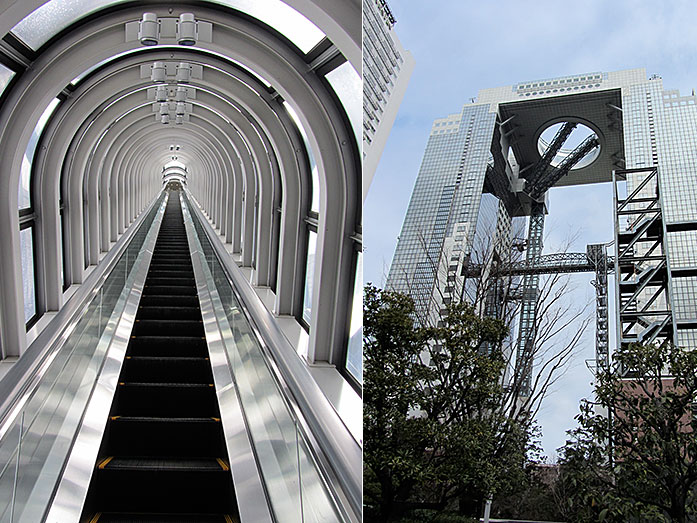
(537, 187)
(557, 142)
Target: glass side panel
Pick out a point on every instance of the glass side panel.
(283, 18)
(348, 87)
(6, 74)
(354, 353)
(23, 195)
(309, 276)
(26, 246)
(51, 18)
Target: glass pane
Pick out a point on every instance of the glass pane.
(6, 75)
(26, 244)
(52, 17)
(354, 353)
(60, 243)
(349, 88)
(313, 165)
(283, 18)
(309, 276)
(23, 198)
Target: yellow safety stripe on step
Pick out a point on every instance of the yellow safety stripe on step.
(222, 464)
(210, 385)
(105, 462)
(96, 517)
(114, 417)
(215, 419)
(228, 519)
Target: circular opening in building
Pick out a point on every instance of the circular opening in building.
(579, 135)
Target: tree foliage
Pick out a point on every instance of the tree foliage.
(638, 462)
(434, 430)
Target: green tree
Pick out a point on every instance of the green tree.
(434, 431)
(638, 461)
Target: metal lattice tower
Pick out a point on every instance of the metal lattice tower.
(597, 255)
(641, 266)
(528, 307)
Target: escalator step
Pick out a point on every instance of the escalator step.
(165, 301)
(168, 313)
(167, 346)
(165, 464)
(168, 491)
(162, 518)
(172, 327)
(147, 436)
(166, 400)
(166, 369)
(185, 272)
(171, 290)
(167, 281)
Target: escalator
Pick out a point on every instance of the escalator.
(163, 457)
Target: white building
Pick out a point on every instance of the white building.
(387, 68)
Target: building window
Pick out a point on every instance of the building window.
(23, 194)
(26, 245)
(354, 352)
(309, 276)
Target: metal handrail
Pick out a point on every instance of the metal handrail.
(330, 437)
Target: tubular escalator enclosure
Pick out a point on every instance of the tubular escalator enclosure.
(163, 456)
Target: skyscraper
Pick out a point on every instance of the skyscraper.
(387, 67)
(487, 170)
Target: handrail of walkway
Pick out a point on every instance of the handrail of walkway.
(342, 452)
(18, 381)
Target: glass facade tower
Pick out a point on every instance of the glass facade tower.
(487, 170)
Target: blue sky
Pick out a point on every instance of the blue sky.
(463, 46)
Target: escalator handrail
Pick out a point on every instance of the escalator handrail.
(335, 441)
(21, 379)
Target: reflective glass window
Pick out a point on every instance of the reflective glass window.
(354, 353)
(26, 245)
(23, 197)
(309, 276)
(6, 75)
(348, 87)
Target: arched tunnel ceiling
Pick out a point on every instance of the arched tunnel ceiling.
(228, 97)
(103, 54)
(339, 21)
